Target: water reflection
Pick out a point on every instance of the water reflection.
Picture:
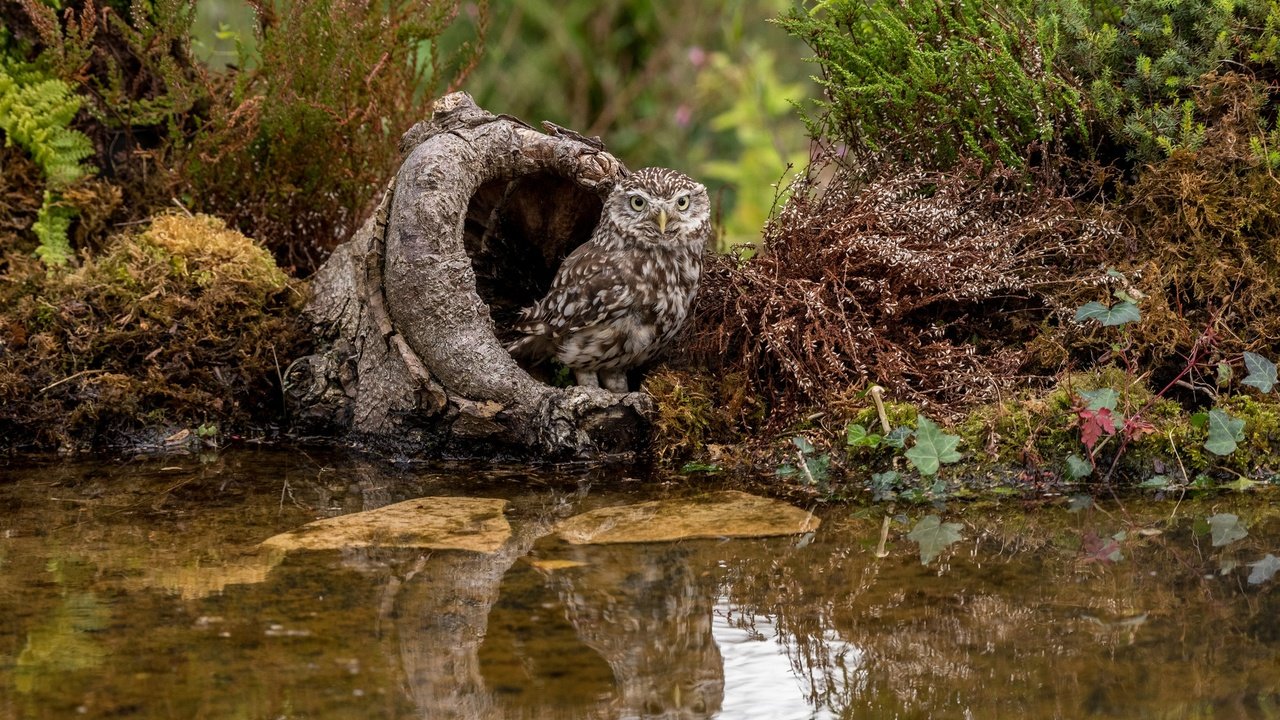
(137, 591)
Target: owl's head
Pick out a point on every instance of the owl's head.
(662, 205)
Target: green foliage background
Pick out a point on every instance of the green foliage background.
(703, 87)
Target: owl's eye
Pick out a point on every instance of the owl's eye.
(682, 202)
(637, 202)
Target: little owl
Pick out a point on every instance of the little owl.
(622, 295)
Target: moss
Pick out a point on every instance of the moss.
(202, 248)
(1042, 430)
(1261, 445)
(899, 415)
(181, 323)
(696, 409)
(686, 413)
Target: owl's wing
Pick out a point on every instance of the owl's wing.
(590, 288)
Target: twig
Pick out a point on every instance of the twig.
(804, 468)
(876, 394)
(284, 402)
(69, 378)
(1185, 479)
(884, 538)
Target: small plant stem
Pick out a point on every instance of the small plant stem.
(1191, 363)
(1185, 479)
(877, 393)
(884, 538)
(69, 378)
(804, 468)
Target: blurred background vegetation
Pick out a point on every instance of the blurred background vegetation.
(706, 87)
(703, 87)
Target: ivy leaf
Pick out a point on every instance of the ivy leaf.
(1225, 374)
(1123, 295)
(1262, 372)
(1264, 569)
(1224, 432)
(1118, 314)
(884, 479)
(1225, 528)
(1240, 484)
(897, 438)
(1079, 502)
(933, 447)
(1158, 482)
(934, 536)
(1102, 550)
(1135, 427)
(882, 485)
(819, 467)
(1078, 467)
(857, 436)
(1101, 398)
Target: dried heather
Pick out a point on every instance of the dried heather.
(928, 283)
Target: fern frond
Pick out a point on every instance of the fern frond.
(36, 115)
(51, 226)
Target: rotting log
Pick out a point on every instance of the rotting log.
(409, 314)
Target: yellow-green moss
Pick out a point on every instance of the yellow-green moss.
(182, 323)
(1261, 443)
(203, 248)
(686, 413)
(899, 415)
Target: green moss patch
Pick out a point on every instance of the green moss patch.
(181, 324)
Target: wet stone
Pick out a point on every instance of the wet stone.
(437, 523)
(725, 514)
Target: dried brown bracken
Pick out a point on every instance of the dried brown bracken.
(928, 283)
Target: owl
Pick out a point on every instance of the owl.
(620, 297)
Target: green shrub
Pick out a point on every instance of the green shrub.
(705, 87)
(290, 145)
(927, 82)
(1141, 63)
(304, 141)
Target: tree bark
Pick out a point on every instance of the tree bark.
(409, 312)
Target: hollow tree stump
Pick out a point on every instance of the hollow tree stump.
(408, 312)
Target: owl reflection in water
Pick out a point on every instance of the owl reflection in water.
(620, 297)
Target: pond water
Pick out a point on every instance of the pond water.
(137, 590)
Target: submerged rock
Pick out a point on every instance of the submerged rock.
(438, 523)
(727, 513)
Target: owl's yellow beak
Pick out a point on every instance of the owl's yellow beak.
(662, 220)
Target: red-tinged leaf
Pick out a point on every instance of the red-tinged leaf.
(1099, 549)
(1094, 424)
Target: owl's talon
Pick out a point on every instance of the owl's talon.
(586, 378)
(614, 380)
